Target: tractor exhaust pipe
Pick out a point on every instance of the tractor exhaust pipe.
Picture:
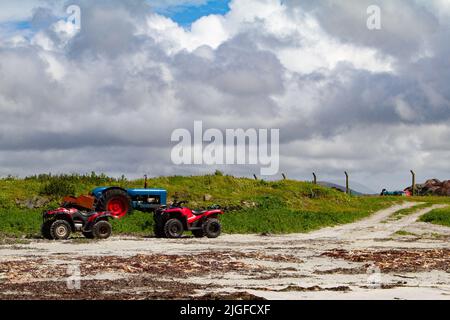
(145, 182)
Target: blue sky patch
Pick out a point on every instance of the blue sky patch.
(185, 15)
(15, 26)
(21, 25)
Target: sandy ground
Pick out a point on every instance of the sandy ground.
(364, 260)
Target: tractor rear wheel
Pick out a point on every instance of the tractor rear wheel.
(116, 201)
(102, 230)
(212, 228)
(60, 230)
(173, 229)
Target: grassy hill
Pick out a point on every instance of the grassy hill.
(251, 206)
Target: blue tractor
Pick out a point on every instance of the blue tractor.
(119, 201)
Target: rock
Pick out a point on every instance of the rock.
(33, 203)
(432, 187)
(207, 197)
(40, 202)
(248, 204)
(432, 182)
(265, 234)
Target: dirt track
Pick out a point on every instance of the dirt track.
(364, 260)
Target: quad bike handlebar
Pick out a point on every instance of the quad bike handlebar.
(178, 204)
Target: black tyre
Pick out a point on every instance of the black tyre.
(198, 233)
(60, 230)
(45, 230)
(102, 230)
(116, 201)
(173, 228)
(212, 228)
(88, 235)
(158, 227)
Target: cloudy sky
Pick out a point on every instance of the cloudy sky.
(106, 98)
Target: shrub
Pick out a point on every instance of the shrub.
(218, 173)
(58, 188)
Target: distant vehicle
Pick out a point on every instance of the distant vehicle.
(395, 193)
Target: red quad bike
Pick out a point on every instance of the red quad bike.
(173, 221)
(60, 223)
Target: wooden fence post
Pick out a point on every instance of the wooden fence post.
(413, 182)
(315, 178)
(347, 184)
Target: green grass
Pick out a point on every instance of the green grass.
(251, 206)
(276, 217)
(137, 223)
(405, 233)
(438, 216)
(405, 212)
(19, 222)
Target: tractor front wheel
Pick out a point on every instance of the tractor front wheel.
(173, 229)
(60, 230)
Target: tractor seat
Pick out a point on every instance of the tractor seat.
(198, 213)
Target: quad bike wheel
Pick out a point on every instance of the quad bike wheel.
(88, 235)
(158, 227)
(198, 233)
(45, 230)
(116, 201)
(102, 230)
(212, 228)
(60, 230)
(173, 229)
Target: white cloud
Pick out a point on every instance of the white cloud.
(309, 47)
(207, 31)
(404, 110)
(107, 98)
(17, 10)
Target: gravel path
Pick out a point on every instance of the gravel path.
(364, 260)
